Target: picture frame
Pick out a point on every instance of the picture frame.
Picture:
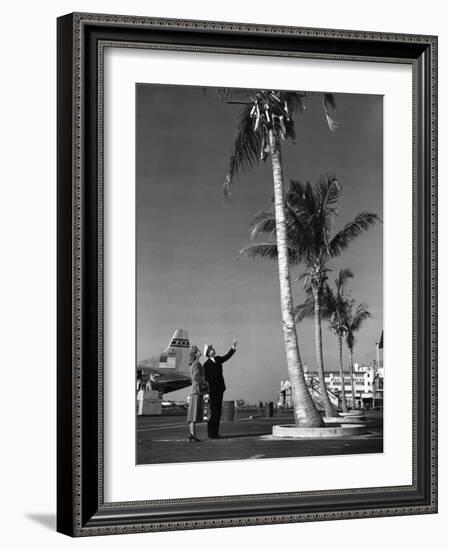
(81, 507)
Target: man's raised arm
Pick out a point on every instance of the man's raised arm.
(230, 353)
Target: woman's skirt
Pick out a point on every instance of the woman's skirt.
(195, 412)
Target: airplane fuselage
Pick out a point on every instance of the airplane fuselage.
(165, 382)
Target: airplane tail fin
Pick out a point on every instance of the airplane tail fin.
(180, 338)
(176, 356)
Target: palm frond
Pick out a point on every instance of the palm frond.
(363, 221)
(296, 189)
(309, 212)
(294, 101)
(302, 199)
(355, 321)
(342, 279)
(246, 149)
(337, 303)
(328, 102)
(263, 222)
(330, 301)
(229, 94)
(294, 217)
(267, 251)
(305, 310)
(361, 314)
(328, 191)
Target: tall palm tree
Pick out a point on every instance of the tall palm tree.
(355, 317)
(266, 120)
(309, 216)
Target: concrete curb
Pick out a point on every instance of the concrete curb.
(332, 420)
(292, 431)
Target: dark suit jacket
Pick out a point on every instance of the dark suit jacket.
(213, 372)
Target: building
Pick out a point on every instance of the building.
(363, 377)
(285, 395)
(378, 386)
(368, 386)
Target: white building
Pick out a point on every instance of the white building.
(363, 377)
(368, 386)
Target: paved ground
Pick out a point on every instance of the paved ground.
(163, 439)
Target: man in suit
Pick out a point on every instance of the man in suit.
(213, 373)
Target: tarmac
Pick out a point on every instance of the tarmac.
(163, 439)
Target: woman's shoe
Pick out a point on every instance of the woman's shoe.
(193, 438)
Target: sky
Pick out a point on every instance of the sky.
(188, 275)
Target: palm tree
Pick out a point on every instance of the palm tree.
(266, 120)
(355, 316)
(333, 307)
(310, 212)
(337, 304)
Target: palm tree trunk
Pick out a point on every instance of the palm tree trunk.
(351, 374)
(344, 405)
(306, 414)
(328, 407)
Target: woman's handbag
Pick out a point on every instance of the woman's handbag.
(203, 387)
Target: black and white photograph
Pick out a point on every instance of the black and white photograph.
(259, 273)
(221, 265)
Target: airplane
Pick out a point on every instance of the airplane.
(172, 370)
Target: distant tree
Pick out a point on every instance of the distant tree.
(355, 317)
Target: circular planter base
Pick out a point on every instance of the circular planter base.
(333, 420)
(290, 430)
